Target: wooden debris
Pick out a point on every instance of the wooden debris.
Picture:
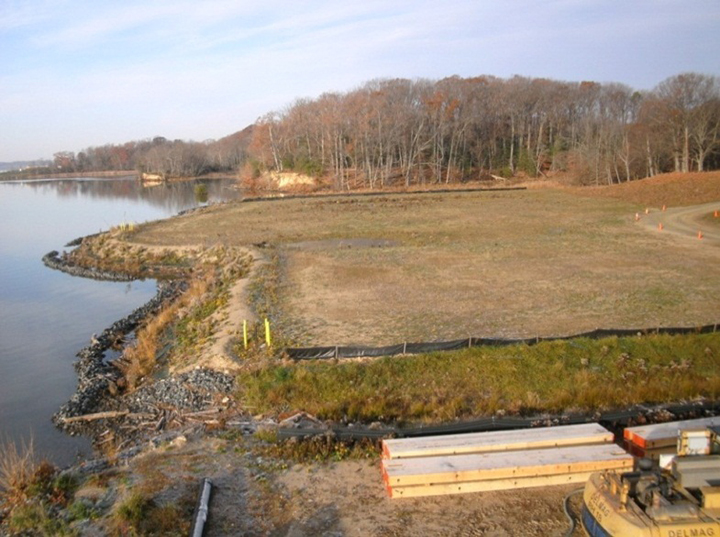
(206, 412)
(98, 416)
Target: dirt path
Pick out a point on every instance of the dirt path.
(685, 222)
(219, 354)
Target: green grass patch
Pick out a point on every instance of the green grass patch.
(36, 518)
(580, 375)
(139, 514)
(195, 328)
(318, 449)
(267, 297)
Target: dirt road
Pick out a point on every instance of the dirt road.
(685, 222)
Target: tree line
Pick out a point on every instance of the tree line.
(407, 132)
(421, 131)
(169, 158)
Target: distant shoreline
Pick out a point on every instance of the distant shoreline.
(115, 174)
(9, 176)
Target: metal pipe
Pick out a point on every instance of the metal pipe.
(202, 508)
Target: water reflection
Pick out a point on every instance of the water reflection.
(46, 316)
(172, 197)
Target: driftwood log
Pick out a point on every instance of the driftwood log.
(104, 415)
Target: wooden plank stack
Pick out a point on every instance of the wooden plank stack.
(661, 438)
(498, 460)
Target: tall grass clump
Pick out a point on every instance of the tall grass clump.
(139, 359)
(31, 491)
(139, 514)
(17, 468)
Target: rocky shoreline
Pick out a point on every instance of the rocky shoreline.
(99, 384)
(147, 411)
(56, 261)
(95, 375)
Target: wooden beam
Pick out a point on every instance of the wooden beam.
(504, 465)
(662, 435)
(97, 416)
(535, 438)
(438, 489)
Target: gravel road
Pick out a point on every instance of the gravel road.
(685, 221)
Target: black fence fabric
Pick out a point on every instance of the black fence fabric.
(320, 353)
(283, 196)
(613, 420)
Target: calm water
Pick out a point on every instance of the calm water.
(47, 316)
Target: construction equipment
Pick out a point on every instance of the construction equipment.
(680, 500)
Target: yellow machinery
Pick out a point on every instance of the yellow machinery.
(682, 500)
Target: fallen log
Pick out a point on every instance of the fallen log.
(104, 415)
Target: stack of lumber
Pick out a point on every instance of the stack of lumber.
(498, 460)
(661, 438)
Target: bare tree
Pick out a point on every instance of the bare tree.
(684, 96)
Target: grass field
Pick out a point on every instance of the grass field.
(437, 266)
(444, 266)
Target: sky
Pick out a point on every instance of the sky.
(77, 73)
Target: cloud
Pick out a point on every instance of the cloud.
(19, 14)
(208, 68)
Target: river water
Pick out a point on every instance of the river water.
(46, 316)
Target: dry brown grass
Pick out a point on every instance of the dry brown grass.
(670, 189)
(524, 263)
(17, 468)
(139, 359)
(188, 321)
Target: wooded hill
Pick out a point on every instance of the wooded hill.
(407, 132)
(169, 158)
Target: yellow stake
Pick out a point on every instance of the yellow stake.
(245, 332)
(267, 333)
